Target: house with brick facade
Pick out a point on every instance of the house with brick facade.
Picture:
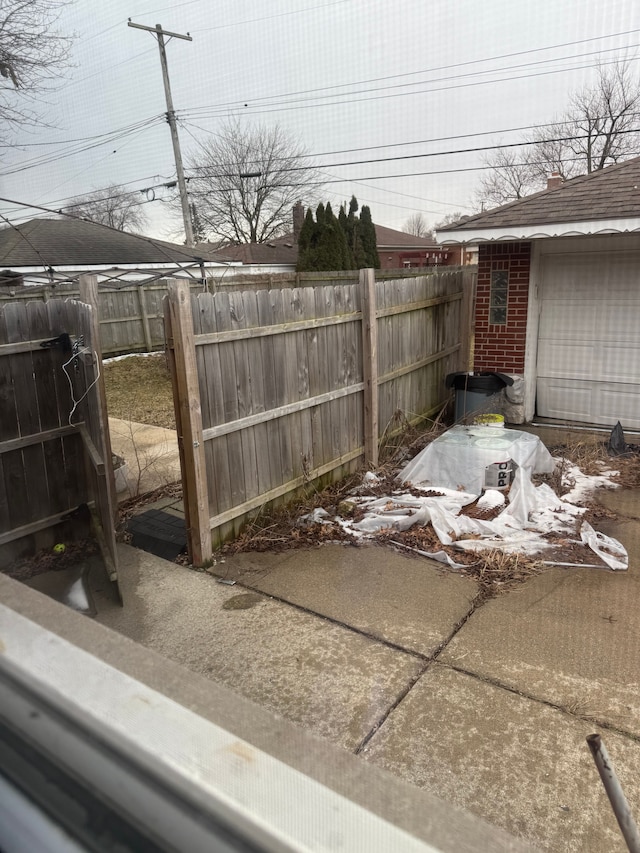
(396, 250)
(558, 297)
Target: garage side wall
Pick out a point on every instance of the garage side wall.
(500, 346)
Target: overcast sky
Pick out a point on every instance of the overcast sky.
(391, 78)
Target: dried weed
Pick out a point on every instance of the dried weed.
(497, 572)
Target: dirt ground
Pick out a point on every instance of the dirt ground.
(139, 389)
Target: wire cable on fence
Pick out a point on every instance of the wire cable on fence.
(74, 355)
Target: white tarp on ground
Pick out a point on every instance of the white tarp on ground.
(529, 511)
(460, 457)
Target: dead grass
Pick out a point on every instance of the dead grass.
(139, 389)
(281, 529)
(496, 572)
(592, 458)
(629, 468)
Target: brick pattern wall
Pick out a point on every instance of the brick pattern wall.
(501, 348)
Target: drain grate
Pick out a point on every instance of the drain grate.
(159, 533)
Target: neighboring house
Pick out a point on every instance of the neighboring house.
(54, 250)
(558, 296)
(279, 255)
(396, 249)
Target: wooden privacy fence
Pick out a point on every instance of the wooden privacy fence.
(130, 318)
(275, 389)
(53, 458)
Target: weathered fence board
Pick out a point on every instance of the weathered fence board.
(43, 471)
(131, 316)
(297, 384)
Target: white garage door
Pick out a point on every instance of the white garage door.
(589, 339)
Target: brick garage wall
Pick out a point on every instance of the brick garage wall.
(502, 347)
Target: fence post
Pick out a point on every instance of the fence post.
(189, 422)
(369, 365)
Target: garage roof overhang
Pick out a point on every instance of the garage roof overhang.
(511, 233)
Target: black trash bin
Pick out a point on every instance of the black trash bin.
(474, 390)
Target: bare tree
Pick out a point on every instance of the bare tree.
(33, 56)
(605, 119)
(599, 128)
(511, 177)
(417, 225)
(113, 206)
(449, 219)
(246, 180)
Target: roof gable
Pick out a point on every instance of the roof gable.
(608, 199)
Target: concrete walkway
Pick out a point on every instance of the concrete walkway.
(393, 658)
(151, 455)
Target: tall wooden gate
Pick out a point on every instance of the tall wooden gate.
(55, 451)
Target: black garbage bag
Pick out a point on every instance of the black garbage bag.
(617, 445)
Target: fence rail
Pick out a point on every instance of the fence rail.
(277, 388)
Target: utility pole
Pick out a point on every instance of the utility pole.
(171, 118)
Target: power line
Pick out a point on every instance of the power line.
(410, 174)
(456, 65)
(54, 157)
(68, 141)
(167, 179)
(303, 106)
(369, 161)
(185, 124)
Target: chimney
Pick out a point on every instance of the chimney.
(298, 219)
(554, 181)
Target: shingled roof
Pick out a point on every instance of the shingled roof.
(280, 250)
(389, 238)
(74, 242)
(606, 201)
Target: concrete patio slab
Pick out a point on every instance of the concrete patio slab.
(626, 502)
(325, 677)
(569, 636)
(519, 764)
(448, 829)
(411, 602)
(151, 454)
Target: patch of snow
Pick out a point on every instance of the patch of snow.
(491, 499)
(583, 485)
(318, 516)
(132, 355)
